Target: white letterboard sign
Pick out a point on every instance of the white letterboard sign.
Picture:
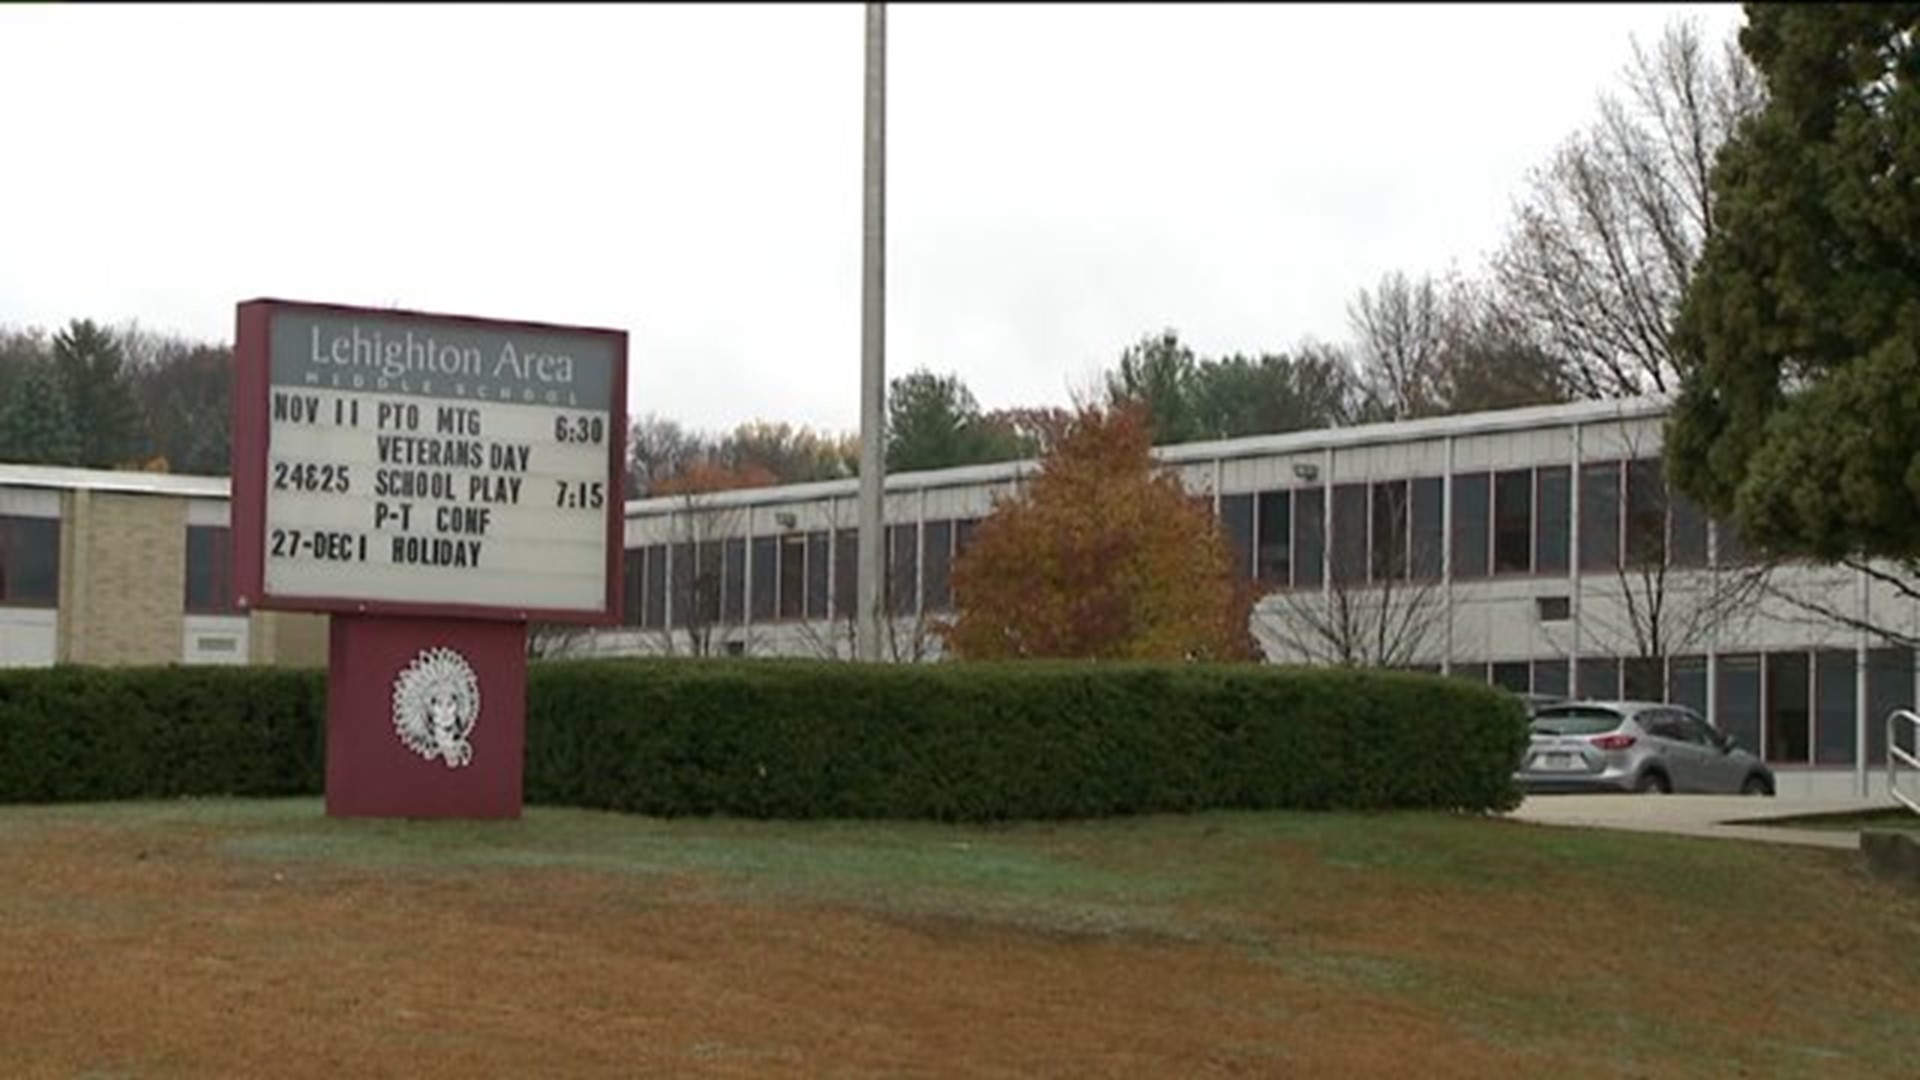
(424, 461)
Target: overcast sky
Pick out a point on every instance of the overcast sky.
(1061, 179)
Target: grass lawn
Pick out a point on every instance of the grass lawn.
(248, 938)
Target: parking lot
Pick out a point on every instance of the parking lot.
(1725, 817)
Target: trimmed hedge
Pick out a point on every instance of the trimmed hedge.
(780, 739)
(72, 734)
(977, 742)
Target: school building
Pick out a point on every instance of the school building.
(1537, 549)
(129, 568)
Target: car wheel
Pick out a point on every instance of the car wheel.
(1756, 785)
(1653, 783)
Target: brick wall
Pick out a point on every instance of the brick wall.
(123, 578)
(290, 638)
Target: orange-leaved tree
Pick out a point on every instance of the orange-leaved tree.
(1102, 555)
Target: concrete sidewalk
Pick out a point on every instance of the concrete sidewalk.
(1721, 817)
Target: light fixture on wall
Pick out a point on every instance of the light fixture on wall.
(785, 519)
(1306, 470)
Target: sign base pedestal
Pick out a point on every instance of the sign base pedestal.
(426, 717)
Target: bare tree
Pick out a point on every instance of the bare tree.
(906, 636)
(1385, 625)
(1608, 233)
(700, 532)
(1664, 597)
(1816, 607)
(1380, 611)
(660, 450)
(1401, 331)
(1433, 346)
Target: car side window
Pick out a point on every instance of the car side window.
(1698, 731)
(1677, 726)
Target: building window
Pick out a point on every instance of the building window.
(1788, 721)
(818, 554)
(1834, 718)
(1350, 534)
(1643, 678)
(1516, 676)
(1600, 516)
(1729, 549)
(654, 613)
(1309, 536)
(1687, 682)
(1553, 502)
(793, 576)
(1597, 678)
(30, 561)
(1889, 688)
(680, 611)
(1513, 522)
(633, 583)
(1236, 521)
(1737, 700)
(1646, 513)
(1689, 538)
(1471, 524)
(733, 582)
(963, 530)
(846, 573)
(209, 570)
(1550, 678)
(766, 578)
(707, 581)
(903, 569)
(1390, 519)
(1274, 538)
(1553, 608)
(938, 571)
(1470, 670)
(1428, 535)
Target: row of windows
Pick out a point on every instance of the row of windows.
(802, 575)
(1516, 521)
(30, 565)
(29, 561)
(1795, 707)
(1511, 522)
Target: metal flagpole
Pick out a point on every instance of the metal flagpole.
(873, 328)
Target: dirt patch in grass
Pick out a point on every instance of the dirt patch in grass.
(182, 944)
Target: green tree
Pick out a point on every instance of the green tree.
(1102, 555)
(99, 389)
(1799, 340)
(933, 422)
(1159, 373)
(1240, 395)
(36, 424)
(185, 392)
(20, 350)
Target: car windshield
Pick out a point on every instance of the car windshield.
(1574, 720)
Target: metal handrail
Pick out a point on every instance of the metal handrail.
(1896, 755)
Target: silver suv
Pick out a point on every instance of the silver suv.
(1635, 746)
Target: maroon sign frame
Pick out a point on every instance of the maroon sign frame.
(250, 419)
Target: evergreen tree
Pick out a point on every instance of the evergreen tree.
(1799, 340)
(933, 422)
(36, 424)
(100, 398)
